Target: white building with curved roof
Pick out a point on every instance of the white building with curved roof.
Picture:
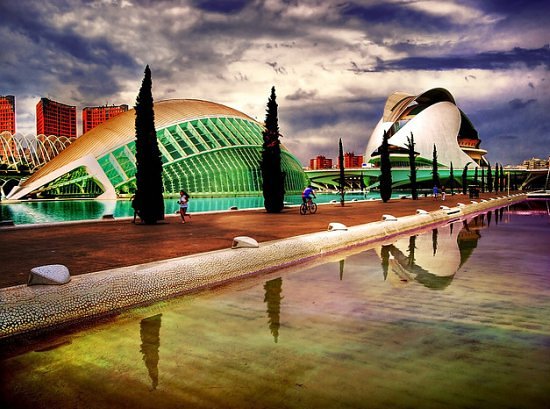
(206, 148)
(434, 119)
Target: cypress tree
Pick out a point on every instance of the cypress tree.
(342, 179)
(502, 179)
(476, 182)
(452, 179)
(273, 178)
(497, 182)
(412, 165)
(489, 178)
(465, 179)
(435, 173)
(148, 200)
(482, 179)
(385, 169)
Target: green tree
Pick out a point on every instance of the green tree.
(497, 181)
(412, 165)
(273, 178)
(482, 179)
(435, 173)
(148, 200)
(385, 169)
(489, 178)
(465, 179)
(452, 180)
(341, 179)
(476, 182)
(502, 179)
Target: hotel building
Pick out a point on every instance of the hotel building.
(55, 118)
(93, 116)
(7, 113)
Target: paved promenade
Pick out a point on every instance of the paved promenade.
(95, 246)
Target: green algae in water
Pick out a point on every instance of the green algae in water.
(456, 318)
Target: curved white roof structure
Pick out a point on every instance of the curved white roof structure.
(434, 119)
(206, 148)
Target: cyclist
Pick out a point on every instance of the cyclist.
(307, 193)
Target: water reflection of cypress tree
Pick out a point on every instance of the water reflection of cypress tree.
(412, 247)
(385, 256)
(150, 342)
(489, 218)
(434, 240)
(273, 290)
(501, 213)
(342, 269)
(496, 216)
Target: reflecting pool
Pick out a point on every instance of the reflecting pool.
(50, 211)
(452, 317)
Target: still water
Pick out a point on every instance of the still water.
(50, 211)
(454, 317)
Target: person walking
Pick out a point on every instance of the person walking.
(184, 205)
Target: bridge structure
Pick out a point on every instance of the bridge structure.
(367, 178)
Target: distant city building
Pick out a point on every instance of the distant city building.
(93, 116)
(55, 118)
(320, 162)
(7, 125)
(352, 161)
(535, 163)
(7, 113)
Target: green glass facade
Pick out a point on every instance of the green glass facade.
(206, 156)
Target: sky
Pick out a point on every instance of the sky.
(333, 63)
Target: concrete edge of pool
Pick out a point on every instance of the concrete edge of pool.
(26, 309)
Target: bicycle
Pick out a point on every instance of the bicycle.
(310, 206)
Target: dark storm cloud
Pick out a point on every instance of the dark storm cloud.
(300, 94)
(63, 53)
(520, 104)
(332, 112)
(30, 22)
(511, 135)
(216, 6)
(397, 15)
(512, 9)
(490, 60)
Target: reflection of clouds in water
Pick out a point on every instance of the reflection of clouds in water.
(149, 331)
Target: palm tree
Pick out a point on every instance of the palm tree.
(342, 179)
(412, 165)
(435, 173)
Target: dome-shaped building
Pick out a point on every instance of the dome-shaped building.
(207, 149)
(434, 119)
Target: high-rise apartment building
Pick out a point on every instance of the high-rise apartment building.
(7, 113)
(320, 162)
(93, 116)
(55, 118)
(352, 161)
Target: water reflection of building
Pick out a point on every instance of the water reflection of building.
(431, 259)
